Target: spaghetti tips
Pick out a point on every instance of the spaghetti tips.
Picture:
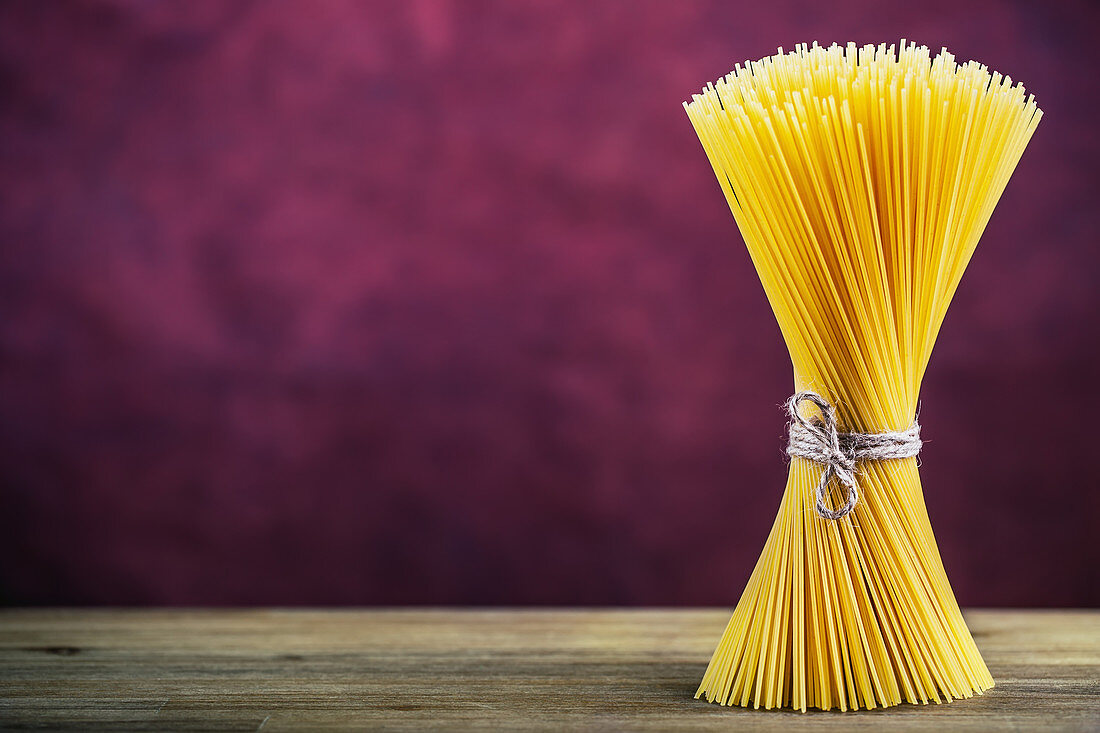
(861, 180)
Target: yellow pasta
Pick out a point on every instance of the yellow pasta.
(861, 180)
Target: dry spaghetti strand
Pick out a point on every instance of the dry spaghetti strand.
(861, 180)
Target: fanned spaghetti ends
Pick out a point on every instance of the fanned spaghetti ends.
(861, 180)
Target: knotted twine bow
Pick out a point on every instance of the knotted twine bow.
(820, 441)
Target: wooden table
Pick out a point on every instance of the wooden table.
(273, 670)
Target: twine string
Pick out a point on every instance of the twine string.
(820, 440)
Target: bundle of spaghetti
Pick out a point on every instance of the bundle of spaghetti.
(861, 180)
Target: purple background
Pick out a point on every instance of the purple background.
(426, 302)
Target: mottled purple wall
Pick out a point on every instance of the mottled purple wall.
(419, 302)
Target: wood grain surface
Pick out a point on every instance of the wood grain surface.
(273, 670)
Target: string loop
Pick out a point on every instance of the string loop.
(820, 440)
